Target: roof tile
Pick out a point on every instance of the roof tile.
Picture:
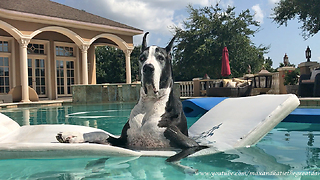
(53, 9)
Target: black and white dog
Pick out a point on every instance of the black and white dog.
(157, 121)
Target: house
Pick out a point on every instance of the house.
(49, 46)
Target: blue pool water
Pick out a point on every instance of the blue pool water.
(289, 151)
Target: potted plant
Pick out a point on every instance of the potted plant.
(291, 79)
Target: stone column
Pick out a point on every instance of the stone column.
(196, 87)
(84, 51)
(92, 65)
(282, 72)
(128, 65)
(24, 69)
(13, 63)
(305, 67)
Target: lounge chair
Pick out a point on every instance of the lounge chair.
(309, 84)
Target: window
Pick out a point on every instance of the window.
(64, 51)
(4, 46)
(4, 75)
(5, 58)
(35, 48)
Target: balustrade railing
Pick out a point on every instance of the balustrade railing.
(186, 88)
(198, 87)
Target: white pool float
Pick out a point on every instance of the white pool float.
(233, 123)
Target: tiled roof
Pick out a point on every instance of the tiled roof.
(53, 9)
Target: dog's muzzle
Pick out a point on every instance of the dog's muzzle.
(148, 78)
(148, 70)
(148, 73)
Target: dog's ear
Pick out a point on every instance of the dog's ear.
(144, 42)
(169, 46)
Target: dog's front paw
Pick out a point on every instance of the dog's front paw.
(70, 137)
(163, 123)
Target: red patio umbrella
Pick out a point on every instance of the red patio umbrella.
(225, 68)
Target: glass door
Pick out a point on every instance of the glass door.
(65, 76)
(4, 75)
(36, 76)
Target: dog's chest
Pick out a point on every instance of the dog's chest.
(144, 131)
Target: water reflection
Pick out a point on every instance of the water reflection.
(25, 117)
(245, 162)
(288, 147)
(296, 144)
(109, 117)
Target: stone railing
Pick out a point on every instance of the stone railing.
(205, 84)
(186, 88)
(104, 93)
(198, 87)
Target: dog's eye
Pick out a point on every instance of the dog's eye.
(142, 58)
(161, 58)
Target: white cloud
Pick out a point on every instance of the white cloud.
(135, 13)
(227, 3)
(155, 15)
(273, 1)
(258, 13)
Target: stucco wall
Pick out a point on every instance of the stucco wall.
(53, 32)
(105, 93)
(108, 93)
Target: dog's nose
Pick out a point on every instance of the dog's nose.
(148, 68)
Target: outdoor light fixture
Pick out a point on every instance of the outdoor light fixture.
(308, 54)
(285, 60)
(262, 81)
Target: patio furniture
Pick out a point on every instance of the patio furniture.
(230, 91)
(309, 84)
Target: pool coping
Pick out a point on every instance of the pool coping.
(310, 102)
(58, 102)
(304, 102)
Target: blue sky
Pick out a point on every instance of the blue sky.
(156, 16)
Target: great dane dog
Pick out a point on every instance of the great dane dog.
(157, 121)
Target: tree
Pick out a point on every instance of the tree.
(307, 12)
(268, 65)
(205, 33)
(290, 65)
(135, 74)
(111, 67)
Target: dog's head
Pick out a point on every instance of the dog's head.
(155, 67)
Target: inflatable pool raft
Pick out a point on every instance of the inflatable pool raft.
(230, 124)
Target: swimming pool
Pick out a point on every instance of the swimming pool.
(291, 150)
